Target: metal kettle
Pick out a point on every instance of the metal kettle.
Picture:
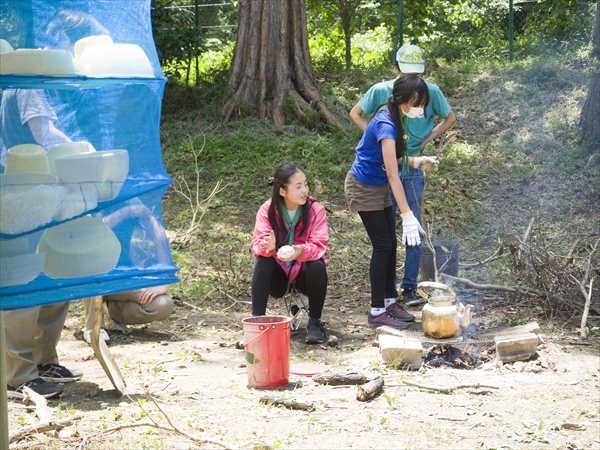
(443, 316)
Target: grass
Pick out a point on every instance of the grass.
(513, 154)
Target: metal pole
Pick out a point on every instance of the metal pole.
(510, 30)
(399, 30)
(196, 23)
(3, 393)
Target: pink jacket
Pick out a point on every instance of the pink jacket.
(313, 241)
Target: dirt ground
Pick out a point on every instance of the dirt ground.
(191, 367)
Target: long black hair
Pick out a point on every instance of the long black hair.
(406, 88)
(281, 179)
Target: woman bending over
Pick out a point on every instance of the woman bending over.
(380, 156)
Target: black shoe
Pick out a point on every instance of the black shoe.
(411, 295)
(58, 374)
(315, 332)
(41, 387)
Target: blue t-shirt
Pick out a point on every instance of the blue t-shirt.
(419, 128)
(368, 165)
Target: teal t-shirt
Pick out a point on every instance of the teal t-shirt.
(418, 128)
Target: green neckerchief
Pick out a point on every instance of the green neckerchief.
(291, 223)
(404, 171)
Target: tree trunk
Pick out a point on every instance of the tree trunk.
(345, 17)
(271, 66)
(590, 114)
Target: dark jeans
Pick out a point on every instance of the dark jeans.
(380, 226)
(413, 185)
(270, 279)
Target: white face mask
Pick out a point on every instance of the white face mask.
(413, 113)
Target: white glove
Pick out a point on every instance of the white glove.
(426, 163)
(411, 228)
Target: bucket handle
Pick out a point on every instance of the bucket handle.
(259, 335)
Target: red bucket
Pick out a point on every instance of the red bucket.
(267, 343)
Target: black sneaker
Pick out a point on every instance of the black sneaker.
(43, 388)
(411, 295)
(58, 374)
(315, 332)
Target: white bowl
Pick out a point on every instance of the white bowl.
(27, 158)
(67, 149)
(28, 201)
(102, 172)
(20, 269)
(115, 60)
(5, 46)
(19, 183)
(33, 61)
(80, 248)
(86, 42)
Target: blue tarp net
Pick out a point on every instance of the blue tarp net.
(81, 170)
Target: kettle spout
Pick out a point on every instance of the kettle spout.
(465, 318)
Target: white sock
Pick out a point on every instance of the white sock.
(377, 311)
(389, 301)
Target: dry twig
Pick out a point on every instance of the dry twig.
(43, 427)
(449, 389)
(490, 287)
(497, 255)
(586, 294)
(289, 403)
(198, 206)
(41, 405)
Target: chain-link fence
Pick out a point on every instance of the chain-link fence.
(185, 30)
(494, 29)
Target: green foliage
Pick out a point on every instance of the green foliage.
(184, 30)
(176, 37)
(553, 25)
(478, 28)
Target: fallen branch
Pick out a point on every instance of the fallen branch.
(339, 379)
(525, 239)
(369, 390)
(41, 405)
(449, 389)
(174, 429)
(235, 300)
(491, 287)
(43, 427)
(586, 294)
(287, 402)
(189, 305)
(497, 255)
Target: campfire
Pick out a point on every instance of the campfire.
(468, 356)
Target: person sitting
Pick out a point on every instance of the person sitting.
(31, 357)
(291, 217)
(135, 307)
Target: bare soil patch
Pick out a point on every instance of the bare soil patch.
(192, 369)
